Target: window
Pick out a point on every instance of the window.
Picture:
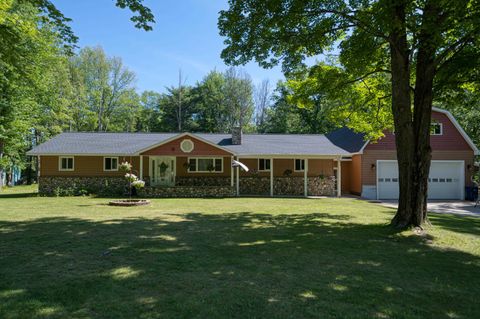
(187, 146)
(205, 165)
(110, 163)
(299, 165)
(436, 129)
(263, 164)
(65, 164)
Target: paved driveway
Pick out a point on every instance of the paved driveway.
(446, 207)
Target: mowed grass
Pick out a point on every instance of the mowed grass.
(76, 257)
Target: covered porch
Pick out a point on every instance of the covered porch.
(182, 176)
(289, 176)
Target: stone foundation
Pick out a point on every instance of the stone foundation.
(322, 186)
(202, 181)
(288, 186)
(255, 185)
(70, 186)
(188, 191)
(188, 186)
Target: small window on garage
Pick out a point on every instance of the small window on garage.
(66, 163)
(110, 164)
(436, 129)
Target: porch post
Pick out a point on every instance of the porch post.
(305, 178)
(339, 176)
(38, 168)
(238, 179)
(231, 171)
(141, 167)
(271, 177)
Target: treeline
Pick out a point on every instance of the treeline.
(102, 97)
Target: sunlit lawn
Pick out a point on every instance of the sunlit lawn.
(76, 257)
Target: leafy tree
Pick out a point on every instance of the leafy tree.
(39, 97)
(30, 60)
(290, 115)
(239, 98)
(327, 97)
(210, 103)
(172, 119)
(150, 116)
(464, 104)
(262, 97)
(107, 84)
(415, 43)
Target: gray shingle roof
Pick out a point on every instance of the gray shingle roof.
(347, 139)
(98, 143)
(133, 143)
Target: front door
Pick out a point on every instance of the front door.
(162, 170)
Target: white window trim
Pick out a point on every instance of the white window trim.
(441, 128)
(110, 170)
(66, 169)
(264, 170)
(295, 166)
(196, 164)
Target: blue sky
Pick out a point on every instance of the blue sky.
(185, 37)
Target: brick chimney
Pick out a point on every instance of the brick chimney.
(236, 135)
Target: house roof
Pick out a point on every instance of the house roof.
(135, 143)
(348, 140)
(98, 143)
(342, 142)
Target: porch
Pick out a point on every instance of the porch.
(206, 176)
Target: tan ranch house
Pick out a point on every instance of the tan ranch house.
(203, 165)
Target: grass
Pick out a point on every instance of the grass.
(76, 257)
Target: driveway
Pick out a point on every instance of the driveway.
(463, 208)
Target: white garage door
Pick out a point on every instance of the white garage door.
(445, 181)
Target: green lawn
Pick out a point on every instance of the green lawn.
(76, 257)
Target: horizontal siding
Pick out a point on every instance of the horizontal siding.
(316, 167)
(356, 175)
(371, 156)
(172, 148)
(451, 140)
(83, 166)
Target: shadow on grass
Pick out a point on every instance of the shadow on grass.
(459, 224)
(18, 195)
(241, 265)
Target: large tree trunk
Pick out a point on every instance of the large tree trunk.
(413, 142)
(402, 114)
